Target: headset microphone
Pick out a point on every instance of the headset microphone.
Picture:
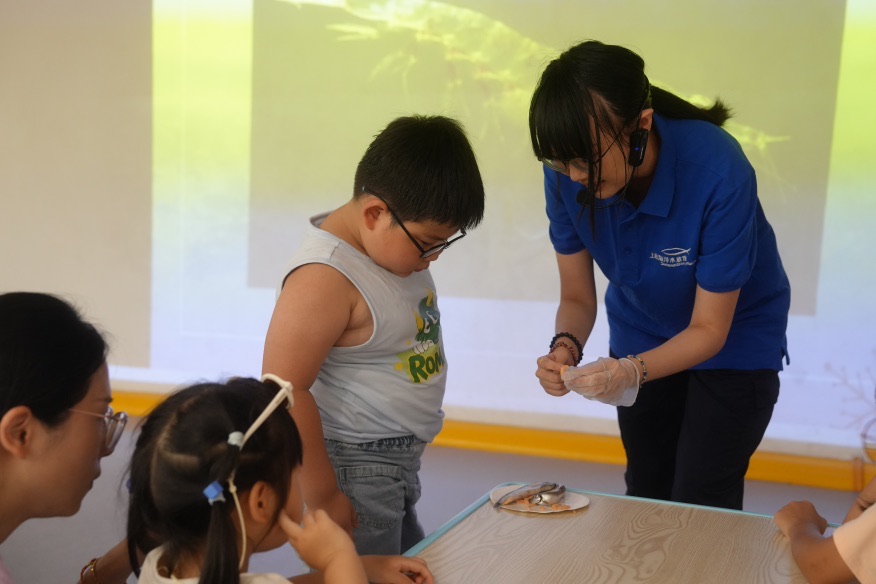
(638, 142)
(639, 138)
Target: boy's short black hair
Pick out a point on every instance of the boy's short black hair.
(426, 170)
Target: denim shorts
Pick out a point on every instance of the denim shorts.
(380, 478)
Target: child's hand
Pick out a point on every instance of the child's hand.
(396, 570)
(548, 373)
(866, 498)
(799, 515)
(868, 494)
(323, 545)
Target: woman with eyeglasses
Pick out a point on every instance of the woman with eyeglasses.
(653, 191)
(56, 422)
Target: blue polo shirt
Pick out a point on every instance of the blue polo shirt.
(700, 224)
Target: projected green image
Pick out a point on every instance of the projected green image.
(327, 75)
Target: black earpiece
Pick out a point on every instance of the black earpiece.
(638, 142)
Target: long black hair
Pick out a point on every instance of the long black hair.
(48, 355)
(592, 91)
(182, 448)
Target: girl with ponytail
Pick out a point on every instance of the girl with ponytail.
(214, 479)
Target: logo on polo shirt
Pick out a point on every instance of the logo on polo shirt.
(673, 257)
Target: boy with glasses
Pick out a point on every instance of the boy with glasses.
(357, 329)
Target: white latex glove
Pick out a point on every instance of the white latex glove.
(612, 381)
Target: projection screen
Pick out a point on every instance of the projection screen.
(160, 161)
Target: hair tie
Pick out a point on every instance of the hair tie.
(214, 492)
(236, 439)
(282, 384)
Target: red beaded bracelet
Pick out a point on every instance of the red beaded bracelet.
(555, 341)
(566, 346)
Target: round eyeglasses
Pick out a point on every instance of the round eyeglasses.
(115, 425)
(424, 253)
(580, 164)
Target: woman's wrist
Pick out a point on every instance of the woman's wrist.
(639, 364)
(568, 348)
(562, 339)
(88, 573)
(113, 567)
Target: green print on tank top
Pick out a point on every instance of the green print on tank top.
(425, 358)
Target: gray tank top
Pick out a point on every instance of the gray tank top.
(393, 384)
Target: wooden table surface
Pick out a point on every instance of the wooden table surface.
(613, 539)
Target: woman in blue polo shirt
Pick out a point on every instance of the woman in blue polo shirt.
(664, 201)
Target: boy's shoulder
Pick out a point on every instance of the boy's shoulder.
(327, 249)
(324, 267)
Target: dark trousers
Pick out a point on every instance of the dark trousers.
(689, 436)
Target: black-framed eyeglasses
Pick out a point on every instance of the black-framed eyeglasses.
(424, 253)
(115, 425)
(562, 166)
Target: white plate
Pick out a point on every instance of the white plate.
(573, 500)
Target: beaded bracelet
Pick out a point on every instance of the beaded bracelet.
(566, 346)
(572, 338)
(644, 369)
